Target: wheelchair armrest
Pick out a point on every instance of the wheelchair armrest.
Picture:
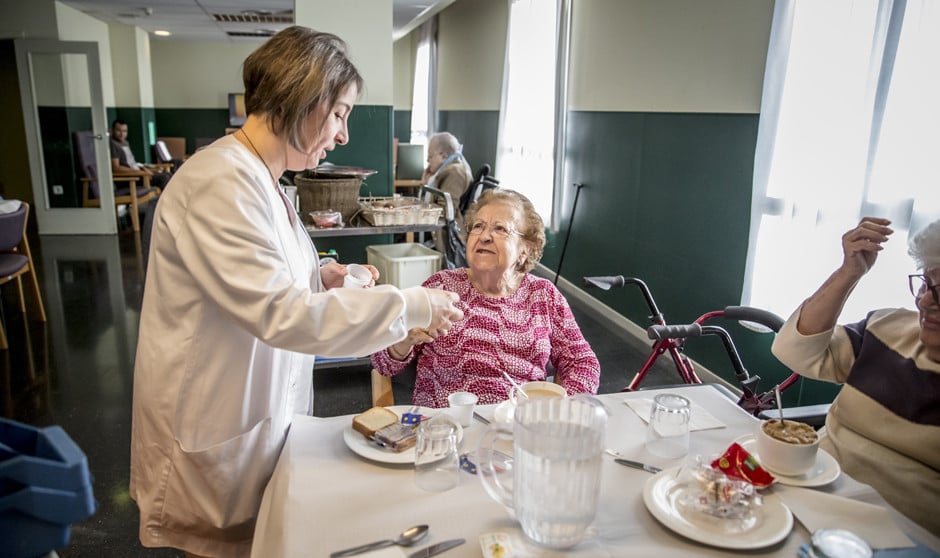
(428, 193)
(813, 415)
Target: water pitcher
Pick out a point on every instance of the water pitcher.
(557, 448)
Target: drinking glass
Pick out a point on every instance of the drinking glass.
(667, 434)
(436, 463)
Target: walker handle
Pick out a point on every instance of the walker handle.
(750, 314)
(661, 332)
(605, 282)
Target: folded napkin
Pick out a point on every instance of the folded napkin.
(387, 552)
(700, 419)
(820, 510)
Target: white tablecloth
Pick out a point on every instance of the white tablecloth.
(323, 497)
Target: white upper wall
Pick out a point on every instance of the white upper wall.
(669, 55)
(130, 54)
(28, 20)
(366, 26)
(403, 57)
(471, 54)
(194, 74)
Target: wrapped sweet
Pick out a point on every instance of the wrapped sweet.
(710, 492)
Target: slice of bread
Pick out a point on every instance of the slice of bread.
(373, 419)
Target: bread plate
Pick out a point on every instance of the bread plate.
(368, 449)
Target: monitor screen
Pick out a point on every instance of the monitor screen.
(236, 109)
(410, 161)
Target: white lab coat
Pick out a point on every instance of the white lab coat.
(233, 311)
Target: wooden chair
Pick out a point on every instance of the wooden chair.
(382, 394)
(131, 195)
(16, 260)
(175, 145)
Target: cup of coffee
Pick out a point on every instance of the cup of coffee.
(357, 277)
(537, 390)
(787, 447)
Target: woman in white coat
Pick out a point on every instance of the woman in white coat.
(236, 304)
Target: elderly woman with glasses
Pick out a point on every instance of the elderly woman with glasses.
(884, 426)
(513, 321)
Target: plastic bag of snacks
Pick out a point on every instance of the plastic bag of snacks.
(710, 492)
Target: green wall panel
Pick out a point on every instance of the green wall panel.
(667, 199)
(477, 131)
(191, 124)
(402, 125)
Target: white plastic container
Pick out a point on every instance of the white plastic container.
(403, 265)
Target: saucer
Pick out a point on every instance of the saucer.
(823, 472)
(368, 449)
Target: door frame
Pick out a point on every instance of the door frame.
(55, 220)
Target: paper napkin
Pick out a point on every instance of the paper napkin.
(387, 552)
(820, 510)
(700, 419)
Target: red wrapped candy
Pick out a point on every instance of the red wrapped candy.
(737, 463)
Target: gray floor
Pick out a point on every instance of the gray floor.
(76, 371)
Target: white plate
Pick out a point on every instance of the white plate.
(368, 449)
(661, 492)
(823, 472)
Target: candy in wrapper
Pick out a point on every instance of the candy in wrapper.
(737, 463)
(709, 491)
(396, 437)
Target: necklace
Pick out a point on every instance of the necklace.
(290, 210)
(258, 153)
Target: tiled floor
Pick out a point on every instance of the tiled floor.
(76, 371)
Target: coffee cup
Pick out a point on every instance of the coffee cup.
(357, 277)
(787, 447)
(537, 390)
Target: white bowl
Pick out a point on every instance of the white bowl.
(785, 458)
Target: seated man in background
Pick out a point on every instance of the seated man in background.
(447, 171)
(884, 426)
(514, 322)
(123, 162)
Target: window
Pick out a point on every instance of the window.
(847, 129)
(525, 157)
(424, 98)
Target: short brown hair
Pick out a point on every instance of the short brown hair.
(533, 228)
(291, 74)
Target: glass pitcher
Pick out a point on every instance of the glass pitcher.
(557, 448)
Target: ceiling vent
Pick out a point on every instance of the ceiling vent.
(255, 17)
(260, 33)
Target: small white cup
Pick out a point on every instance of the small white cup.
(785, 458)
(357, 277)
(667, 434)
(537, 390)
(461, 406)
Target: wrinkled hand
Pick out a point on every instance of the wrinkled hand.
(860, 246)
(444, 312)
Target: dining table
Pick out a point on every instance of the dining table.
(325, 496)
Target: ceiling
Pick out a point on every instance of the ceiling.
(235, 20)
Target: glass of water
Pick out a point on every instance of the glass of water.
(667, 434)
(436, 462)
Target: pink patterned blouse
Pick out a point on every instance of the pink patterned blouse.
(520, 333)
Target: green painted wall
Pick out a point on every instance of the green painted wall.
(476, 130)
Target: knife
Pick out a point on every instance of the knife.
(638, 465)
(436, 549)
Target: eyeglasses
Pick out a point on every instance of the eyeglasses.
(920, 284)
(499, 230)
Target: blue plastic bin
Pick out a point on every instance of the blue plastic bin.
(41, 457)
(45, 486)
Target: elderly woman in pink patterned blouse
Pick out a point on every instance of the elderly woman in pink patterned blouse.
(513, 321)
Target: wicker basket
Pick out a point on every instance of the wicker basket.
(383, 212)
(321, 194)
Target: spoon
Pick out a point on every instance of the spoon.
(515, 385)
(779, 406)
(407, 537)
